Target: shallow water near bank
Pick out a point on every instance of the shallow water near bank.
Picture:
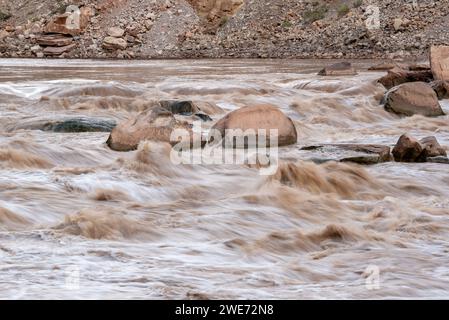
(78, 220)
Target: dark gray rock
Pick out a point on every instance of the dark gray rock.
(357, 153)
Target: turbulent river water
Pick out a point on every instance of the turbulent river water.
(78, 220)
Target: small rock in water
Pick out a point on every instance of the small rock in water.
(439, 159)
(338, 69)
(179, 107)
(432, 148)
(408, 149)
(80, 125)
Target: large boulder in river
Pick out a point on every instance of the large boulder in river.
(338, 69)
(348, 152)
(439, 62)
(413, 98)
(249, 120)
(399, 76)
(408, 149)
(156, 124)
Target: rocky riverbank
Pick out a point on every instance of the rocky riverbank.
(127, 29)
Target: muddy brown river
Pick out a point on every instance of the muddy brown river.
(78, 220)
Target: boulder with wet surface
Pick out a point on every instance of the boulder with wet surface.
(413, 98)
(398, 76)
(70, 125)
(156, 124)
(410, 149)
(252, 120)
(365, 154)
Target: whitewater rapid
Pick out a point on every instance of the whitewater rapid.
(78, 220)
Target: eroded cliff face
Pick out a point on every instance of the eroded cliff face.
(215, 12)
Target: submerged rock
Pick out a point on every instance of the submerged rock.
(70, 125)
(179, 107)
(57, 51)
(413, 98)
(249, 120)
(338, 69)
(384, 66)
(357, 153)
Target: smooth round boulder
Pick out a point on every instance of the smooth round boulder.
(249, 120)
(413, 98)
(156, 124)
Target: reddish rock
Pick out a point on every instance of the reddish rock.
(71, 23)
(432, 148)
(111, 43)
(399, 76)
(413, 98)
(408, 149)
(439, 62)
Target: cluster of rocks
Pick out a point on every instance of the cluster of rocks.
(409, 149)
(159, 122)
(416, 90)
(411, 90)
